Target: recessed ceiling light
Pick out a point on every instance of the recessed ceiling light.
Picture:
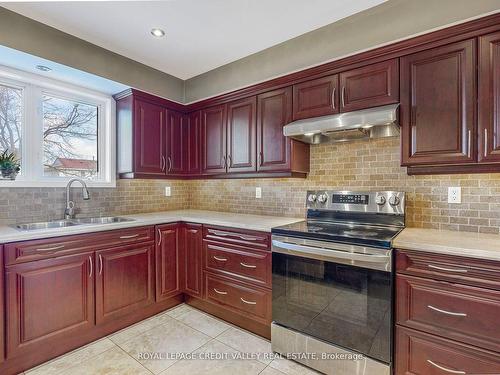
(43, 68)
(157, 32)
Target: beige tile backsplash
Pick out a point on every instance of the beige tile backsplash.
(358, 165)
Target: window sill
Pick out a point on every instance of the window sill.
(49, 184)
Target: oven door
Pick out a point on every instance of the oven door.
(337, 293)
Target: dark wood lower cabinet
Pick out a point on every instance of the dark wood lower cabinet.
(47, 300)
(124, 280)
(168, 261)
(192, 237)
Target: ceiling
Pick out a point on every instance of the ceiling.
(200, 34)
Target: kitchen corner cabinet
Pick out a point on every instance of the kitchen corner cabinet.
(48, 300)
(168, 261)
(213, 135)
(191, 243)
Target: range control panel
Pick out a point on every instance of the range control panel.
(390, 202)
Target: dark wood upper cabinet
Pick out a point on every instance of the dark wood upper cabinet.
(124, 280)
(191, 135)
(241, 132)
(167, 261)
(369, 86)
(191, 243)
(48, 300)
(213, 133)
(149, 138)
(319, 97)
(489, 98)
(175, 144)
(438, 91)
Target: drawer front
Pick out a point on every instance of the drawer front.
(454, 311)
(26, 251)
(249, 266)
(241, 297)
(421, 354)
(457, 269)
(247, 238)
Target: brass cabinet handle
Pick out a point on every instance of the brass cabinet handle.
(247, 265)
(469, 143)
(169, 164)
(446, 369)
(261, 158)
(446, 312)
(91, 266)
(100, 264)
(163, 163)
(248, 302)
(159, 237)
(342, 96)
(220, 259)
(219, 292)
(130, 236)
(485, 142)
(333, 97)
(41, 250)
(241, 236)
(447, 269)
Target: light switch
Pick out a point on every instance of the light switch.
(455, 194)
(168, 191)
(258, 192)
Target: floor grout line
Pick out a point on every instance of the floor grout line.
(140, 364)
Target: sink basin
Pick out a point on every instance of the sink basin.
(101, 220)
(71, 223)
(46, 225)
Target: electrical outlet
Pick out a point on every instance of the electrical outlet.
(258, 192)
(455, 194)
(168, 191)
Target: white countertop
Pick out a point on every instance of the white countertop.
(227, 219)
(473, 245)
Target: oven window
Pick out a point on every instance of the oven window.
(345, 305)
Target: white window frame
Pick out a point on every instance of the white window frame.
(34, 87)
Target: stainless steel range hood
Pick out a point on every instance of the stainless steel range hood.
(368, 123)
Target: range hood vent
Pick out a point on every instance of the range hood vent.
(368, 123)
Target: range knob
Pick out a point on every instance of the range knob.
(380, 200)
(311, 198)
(394, 200)
(322, 198)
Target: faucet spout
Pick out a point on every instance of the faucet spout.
(69, 212)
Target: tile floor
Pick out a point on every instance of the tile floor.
(181, 329)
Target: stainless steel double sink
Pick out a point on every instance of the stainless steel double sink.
(71, 223)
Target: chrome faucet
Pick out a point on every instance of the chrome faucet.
(69, 212)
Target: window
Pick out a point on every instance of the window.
(58, 131)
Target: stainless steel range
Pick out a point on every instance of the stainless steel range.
(333, 282)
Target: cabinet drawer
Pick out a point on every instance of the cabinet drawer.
(454, 311)
(244, 298)
(248, 238)
(250, 266)
(26, 251)
(477, 272)
(422, 354)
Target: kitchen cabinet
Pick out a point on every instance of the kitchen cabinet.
(241, 133)
(369, 86)
(319, 97)
(175, 144)
(47, 300)
(2, 309)
(275, 152)
(438, 95)
(124, 280)
(191, 242)
(446, 307)
(191, 135)
(488, 100)
(213, 132)
(168, 261)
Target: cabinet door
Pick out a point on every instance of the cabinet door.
(213, 122)
(2, 310)
(175, 144)
(369, 86)
(241, 144)
(48, 300)
(437, 105)
(124, 281)
(149, 138)
(319, 97)
(191, 131)
(489, 98)
(167, 261)
(192, 239)
(274, 110)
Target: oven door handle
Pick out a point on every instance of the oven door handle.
(302, 250)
